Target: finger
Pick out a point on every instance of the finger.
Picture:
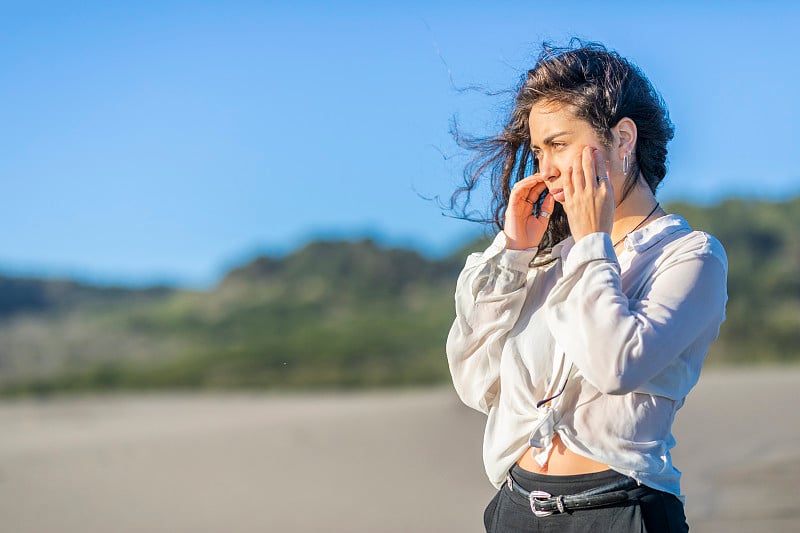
(590, 156)
(547, 207)
(520, 201)
(568, 186)
(523, 188)
(603, 181)
(525, 184)
(578, 176)
(535, 190)
(601, 170)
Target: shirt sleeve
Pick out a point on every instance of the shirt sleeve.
(618, 343)
(489, 296)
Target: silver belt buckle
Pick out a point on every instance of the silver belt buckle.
(533, 498)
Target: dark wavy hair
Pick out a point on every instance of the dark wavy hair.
(602, 88)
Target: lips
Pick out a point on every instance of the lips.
(558, 195)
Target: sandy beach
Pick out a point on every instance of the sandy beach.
(394, 461)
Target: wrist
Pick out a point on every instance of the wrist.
(518, 244)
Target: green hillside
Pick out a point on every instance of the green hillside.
(761, 239)
(340, 314)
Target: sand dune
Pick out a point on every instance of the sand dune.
(381, 461)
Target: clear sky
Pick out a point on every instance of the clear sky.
(168, 141)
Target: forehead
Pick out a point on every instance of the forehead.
(547, 118)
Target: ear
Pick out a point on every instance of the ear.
(624, 136)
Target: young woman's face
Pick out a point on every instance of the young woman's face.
(557, 138)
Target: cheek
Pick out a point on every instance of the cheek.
(568, 157)
(566, 160)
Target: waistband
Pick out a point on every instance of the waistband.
(607, 488)
(564, 484)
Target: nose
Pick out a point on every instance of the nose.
(547, 168)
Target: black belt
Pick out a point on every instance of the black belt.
(544, 504)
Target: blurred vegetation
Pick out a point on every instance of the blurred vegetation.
(341, 314)
(763, 247)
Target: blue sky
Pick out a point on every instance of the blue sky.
(169, 141)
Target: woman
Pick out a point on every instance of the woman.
(584, 325)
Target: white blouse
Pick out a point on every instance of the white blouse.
(624, 338)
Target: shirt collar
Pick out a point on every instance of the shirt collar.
(563, 247)
(639, 240)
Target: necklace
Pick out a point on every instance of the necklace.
(638, 225)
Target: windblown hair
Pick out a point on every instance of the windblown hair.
(602, 88)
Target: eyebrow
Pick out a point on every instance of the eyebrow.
(547, 140)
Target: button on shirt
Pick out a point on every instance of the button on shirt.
(623, 337)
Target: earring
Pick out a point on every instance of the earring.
(626, 163)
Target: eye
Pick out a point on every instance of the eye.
(558, 145)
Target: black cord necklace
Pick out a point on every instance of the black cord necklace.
(638, 225)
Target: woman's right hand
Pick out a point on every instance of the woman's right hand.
(522, 229)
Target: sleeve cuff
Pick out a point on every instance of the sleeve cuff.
(518, 260)
(593, 247)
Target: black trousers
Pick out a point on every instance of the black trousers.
(649, 510)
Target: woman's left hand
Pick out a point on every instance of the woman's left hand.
(589, 202)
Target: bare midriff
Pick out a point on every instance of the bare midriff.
(561, 462)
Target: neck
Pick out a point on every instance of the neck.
(632, 212)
